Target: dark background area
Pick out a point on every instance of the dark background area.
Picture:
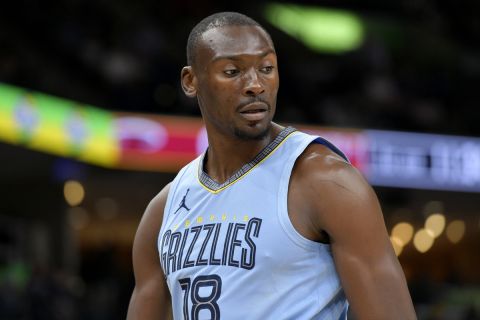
(417, 70)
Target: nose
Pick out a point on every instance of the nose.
(253, 85)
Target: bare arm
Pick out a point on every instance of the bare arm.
(150, 298)
(342, 204)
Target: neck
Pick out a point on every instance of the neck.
(227, 154)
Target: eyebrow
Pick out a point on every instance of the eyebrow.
(237, 57)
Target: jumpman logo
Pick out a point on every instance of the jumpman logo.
(182, 204)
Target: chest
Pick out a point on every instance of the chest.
(235, 229)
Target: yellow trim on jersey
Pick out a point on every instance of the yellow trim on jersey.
(244, 174)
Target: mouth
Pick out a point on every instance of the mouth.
(254, 111)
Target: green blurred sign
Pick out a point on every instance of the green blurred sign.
(320, 29)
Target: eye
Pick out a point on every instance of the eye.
(267, 69)
(230, 72)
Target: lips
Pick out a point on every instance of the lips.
(254, 111)
(254, 106)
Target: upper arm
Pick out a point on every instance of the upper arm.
(150, 298)
(345, 207)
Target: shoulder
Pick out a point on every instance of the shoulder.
(144, 251)
(155, 208)
(320, 164)
(152, 218)
(330, 189)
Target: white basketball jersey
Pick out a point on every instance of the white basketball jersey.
(229, 251)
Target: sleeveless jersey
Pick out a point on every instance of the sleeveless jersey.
(229, 251)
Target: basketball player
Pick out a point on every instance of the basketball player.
(269, 223)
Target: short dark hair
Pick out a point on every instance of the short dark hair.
(216, 20)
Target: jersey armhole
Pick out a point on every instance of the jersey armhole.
(172, 192)
(168, 203)
(283, 215)
(330, 146)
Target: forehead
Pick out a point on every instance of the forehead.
(233, 41)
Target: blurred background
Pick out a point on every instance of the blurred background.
(93, 124)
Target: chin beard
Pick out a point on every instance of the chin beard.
(245, 135)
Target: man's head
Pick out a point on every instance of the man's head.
(233, 73)
(216, 20)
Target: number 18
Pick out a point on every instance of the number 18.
(201, 302)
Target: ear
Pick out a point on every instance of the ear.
(189, 82)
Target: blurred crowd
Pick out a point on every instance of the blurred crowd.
(416, 70)
(100, 291)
